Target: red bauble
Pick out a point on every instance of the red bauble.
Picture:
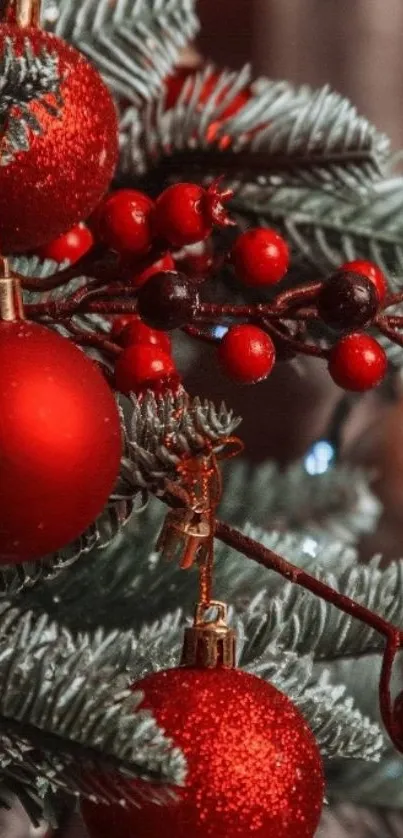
(60, 441)
(139, 332)
(260, 257)
(142, 366)
(357, 362)
(371, 271)
(140, 276)
(254, 767)
(61, 177)
(123, 221)
(247, 354)
(71, 245)
(185, 213)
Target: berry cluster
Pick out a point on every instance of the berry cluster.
(164, 254)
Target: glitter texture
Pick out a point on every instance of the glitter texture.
(59, 180)
(254, 768)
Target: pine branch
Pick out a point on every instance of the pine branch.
(68, 717)
(134, 43)
(340, 728)
(347, 821)
(325, 230)
(339, 501)
(282, 135)
(24, 79)
(303, 623)
(148, 462)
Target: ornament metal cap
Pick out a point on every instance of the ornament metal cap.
(11, 307)
(209, 643)
(21, 12)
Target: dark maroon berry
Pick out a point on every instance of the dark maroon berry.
(168, 300)
(347, 300)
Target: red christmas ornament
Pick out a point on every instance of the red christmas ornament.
(371, 271)
(185, 213)
(60, 441)
(254, 768)
(357, 362)
(247, 354)
(123, 221)
(69, 161)
(260, 257)
(70, 246)
(142, 366)
(139, 332)
(139, 277)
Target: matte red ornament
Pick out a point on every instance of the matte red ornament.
(142, 366)
(60, 441)
(140, 276)
(254, 768)
(185, 213)
(139, 332)
(67, 167)
(247, 354)
(372, 272)
(70, 246)
(123, 221)
(260, 257)
(357, 362)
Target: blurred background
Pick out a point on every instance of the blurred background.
(355, 47)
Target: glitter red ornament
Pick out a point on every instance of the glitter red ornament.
(357, 362)
(260, 257)
(253, 764)
(70, 246)
(67, 167)
(60, 441)
(247, 354)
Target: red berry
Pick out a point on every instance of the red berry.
(142, 366)
(72, 245)
(139, 277)
(371, 271)
(119, 322)
(123, 221)
(247, 354)
(260, 257)
(185, 213)
(357, 362)
(196, 260)
(138, 332)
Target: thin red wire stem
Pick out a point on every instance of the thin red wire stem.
(393, 635)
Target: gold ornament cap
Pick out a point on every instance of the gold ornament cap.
(11, 307)
(209, 643)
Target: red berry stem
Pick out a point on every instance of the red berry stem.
(388, 331)
(102, 342)
(299, 346)
(394, 636)
(199, 334)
